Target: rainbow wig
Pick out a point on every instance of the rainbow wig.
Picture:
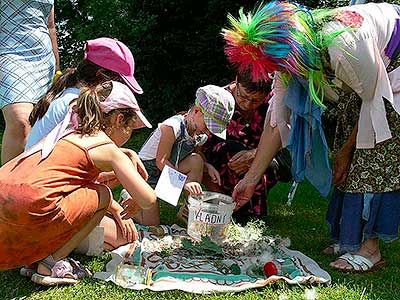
(281, 36)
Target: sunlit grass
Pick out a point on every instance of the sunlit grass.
(303, 222)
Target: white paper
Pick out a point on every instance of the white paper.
(170, 185)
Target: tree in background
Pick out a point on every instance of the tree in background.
(176, 43)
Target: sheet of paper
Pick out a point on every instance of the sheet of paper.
(170, 185)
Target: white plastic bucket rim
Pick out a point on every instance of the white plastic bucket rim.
(216, 214)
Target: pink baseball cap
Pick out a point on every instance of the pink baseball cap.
(122, 97)
(115, 56)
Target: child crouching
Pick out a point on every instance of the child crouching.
(174, 141)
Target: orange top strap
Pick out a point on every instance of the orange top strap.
(99, 144)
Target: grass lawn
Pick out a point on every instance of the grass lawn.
(303, 223)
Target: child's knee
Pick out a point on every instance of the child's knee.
(196, 160)
(105, 197)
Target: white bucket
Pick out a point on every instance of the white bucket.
(209, 215)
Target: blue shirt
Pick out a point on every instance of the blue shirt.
(54, 115)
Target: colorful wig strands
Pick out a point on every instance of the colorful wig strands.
(281, 36)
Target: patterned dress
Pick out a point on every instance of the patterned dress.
(374, 170)
(27, 61)
(241, 135)
(367, 204)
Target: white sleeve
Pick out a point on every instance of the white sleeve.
(175, 123)
(362, 69)
(278, 113)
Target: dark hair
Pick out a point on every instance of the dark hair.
(245, 80)
(91, 117)
(86, 73)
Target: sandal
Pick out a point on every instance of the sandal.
(65, 271)
(360, 264)
(27, 272)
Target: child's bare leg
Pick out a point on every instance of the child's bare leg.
(149, 216)
(104, 202)
(192, 166)
(113, 237)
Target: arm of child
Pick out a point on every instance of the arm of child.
(193, 187)
(167, 141)
(134, 157)
(127, 226)
(110, 158)
(109, 178)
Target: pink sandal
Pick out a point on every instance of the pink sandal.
(65, 271)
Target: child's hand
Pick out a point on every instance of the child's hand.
(131, 208)
(213, 173)
(128, 230)
(194, 188)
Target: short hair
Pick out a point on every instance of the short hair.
(251, 86)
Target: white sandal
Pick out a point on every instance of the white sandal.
(360, 263)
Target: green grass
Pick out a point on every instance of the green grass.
(303, 223)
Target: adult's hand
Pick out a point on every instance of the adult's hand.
(343, 158)
(243, 192)
(137, 162)
(241, 161)
(342, 165)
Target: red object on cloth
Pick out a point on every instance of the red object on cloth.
(270, 269)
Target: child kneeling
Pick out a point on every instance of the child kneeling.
(173, 143)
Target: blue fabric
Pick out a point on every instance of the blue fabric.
(367, 206)
(153, 172)
(54, 115)
(350, 224)
(27, 62)
(307, 142)
(353, 2)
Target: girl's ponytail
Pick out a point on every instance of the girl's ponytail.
(90, 115)
(68, 79)
(86, 73)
